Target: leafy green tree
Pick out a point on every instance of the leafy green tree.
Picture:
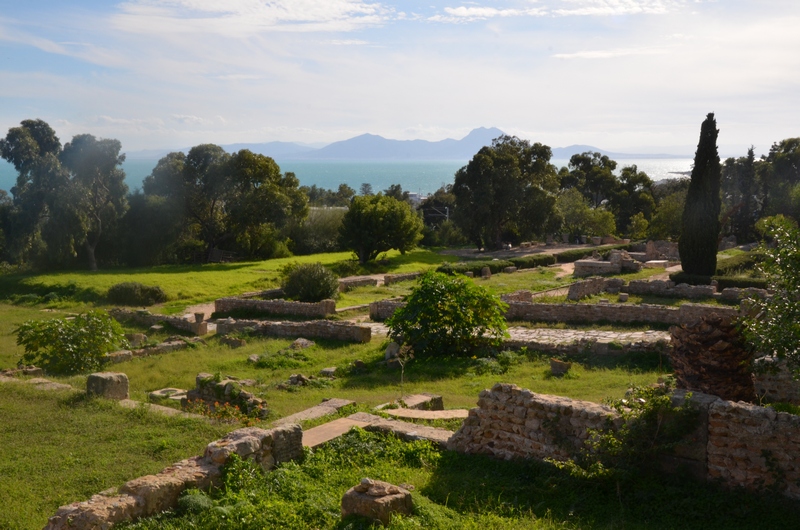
(365, 189)
(449, 315)
(507, 188)
(377, 223)
(773, 324)
(700, 221)
(579, 218)
(238, 201)
(341, 197)
(633, 195)
(67, 196)
(69, 345)
(593, 175)
(395, 191)
(740, 195)
(638, 226)
(98, 190)
(666, 222)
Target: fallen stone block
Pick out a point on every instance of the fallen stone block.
(377, 500)
(109, 385)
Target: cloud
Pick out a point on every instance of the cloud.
(469, 14)
(617, 7)
(350, 42)
(246, 17)
(610, 54)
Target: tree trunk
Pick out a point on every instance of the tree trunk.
(90, 254)
(709, 356)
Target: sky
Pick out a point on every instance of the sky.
(624, 75)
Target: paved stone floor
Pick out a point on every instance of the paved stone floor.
(562, 336)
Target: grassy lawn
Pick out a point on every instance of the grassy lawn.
(57, 447)
(191, 284)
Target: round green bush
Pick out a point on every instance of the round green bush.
(310, 282)
(136, 294)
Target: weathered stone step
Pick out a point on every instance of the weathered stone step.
(326, 408)
(328, 431)
(414, 414)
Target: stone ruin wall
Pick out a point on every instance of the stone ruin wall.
(775, 383)
(613, 312)
(225, 391)
(389, 279)
(153, 494)
(740, 444)
(318, 329)
(345, 284)
(585, 288)
(276, 307)
(145, 318)
(669, 289)
(517, 296)
(514, 423)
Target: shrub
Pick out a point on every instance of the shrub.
(447, 315)
(310, 282)
(136, 294)
(742, 263)
(568, 256)
(723, 282)
(462, 267)
(69, 346)
(531, 262)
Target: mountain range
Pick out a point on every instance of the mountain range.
(373, 147)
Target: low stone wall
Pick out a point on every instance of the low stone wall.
(145, 318)
(514, 423)
(585, 288)
(668, 288)
(153, 494)
(775, 383)
(163, 347)
(517, 296)
(383, 309)
(225, 391)
(613, 312)
(316, 329)
(276, 307)
(537, 312)
(754, 447)
(345, 284)
(590, 267)
(389, 279)
(740, 444)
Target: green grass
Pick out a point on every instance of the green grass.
(58, 447)
(191, 284)
(456, 491)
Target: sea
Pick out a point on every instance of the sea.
(421, 177)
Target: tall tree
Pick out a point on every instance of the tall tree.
(98, 190)
(700, 222)
(593, 174)
(65, 196)
(740, 194)
(508, 187)
(377, 223)
(633, 195)
(236, 201)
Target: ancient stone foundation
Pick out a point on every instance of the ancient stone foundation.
(276, 307)
(225, 391)
(318, 329)
(613, 312)
(740, 444)
(153, 494)
(145, 318)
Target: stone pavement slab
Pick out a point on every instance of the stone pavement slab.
(326, 408)
(414, 414)
(328, 431)
(410, 431)
(159, 409)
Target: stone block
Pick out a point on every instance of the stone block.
(377, 500)
(232, 342)
(109, 385)
(328, 372)
(155, 328)
(623, 297)
(486, 272)
(302, 344)
(424, 401)
(656, 264)
(175, 394)
(509, 270)
(136, 339)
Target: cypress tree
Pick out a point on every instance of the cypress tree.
(700, 223)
